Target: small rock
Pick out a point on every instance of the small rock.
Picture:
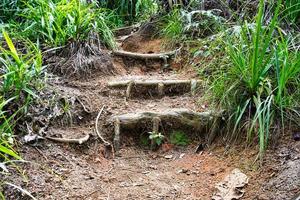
(137, 184)
(31, 138)
(106, 180)
(124, 184)
(153, 167)
(195, 172)
(183, 171)
(296, 136)
(232, 187)
(168, 156)
(154, 156)
(181, 155)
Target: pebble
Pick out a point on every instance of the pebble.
(168, 156)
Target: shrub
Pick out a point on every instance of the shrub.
(181, 25)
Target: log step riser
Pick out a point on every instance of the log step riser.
(176, 118)
(157, 88)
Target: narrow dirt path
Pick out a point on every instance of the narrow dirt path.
(82, 172)
(72, 171)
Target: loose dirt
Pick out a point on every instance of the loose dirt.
(70, 171)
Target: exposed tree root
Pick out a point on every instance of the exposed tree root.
(126, 30)
(160, 84)
(68, 140)
(164, 56)
(144, 55)
(80, 60)
(194, 119)
(108, 151)
(150, 82)
(185, 117)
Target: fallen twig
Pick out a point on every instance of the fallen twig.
(83, 106)
(68, 140)
(97, 129)
(41, 153)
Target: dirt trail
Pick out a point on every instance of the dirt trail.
(67, 171)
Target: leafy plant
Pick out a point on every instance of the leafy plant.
(252, 58)
(57, 23)
(179, 138)
(19, 72)
(157, 138)
(201, 23)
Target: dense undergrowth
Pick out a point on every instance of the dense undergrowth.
(253, 72)
(252, 69)
(249, 58)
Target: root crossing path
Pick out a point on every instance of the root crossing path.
(141, 97)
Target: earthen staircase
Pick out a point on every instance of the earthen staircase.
(156, 86)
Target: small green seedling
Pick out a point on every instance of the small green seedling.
(156, 138)
(179, 138)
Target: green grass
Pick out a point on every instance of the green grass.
(292, 10)
(19, 80)
(20, 70)
(260, 80)
(20, 75)
(131, 10)
(179, 138)
(250, 85)
(57, 23)
(173, 27)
